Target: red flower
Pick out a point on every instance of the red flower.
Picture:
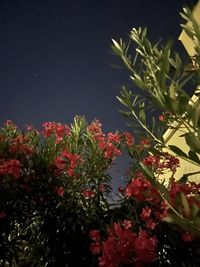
(60, 163)
(152, 161)
(151, 224)
(20, 145)
(10, 167)
(146, 213)
(102, 188)
(10, 124)
(48, 128)
(61, 131)
(95, 235)
(162, 162)
(2, 215)
(187, 237)
(88, 193)
(95, 127)
(161, 117)
(137, 187)
(59, 190)
(129, 139)
(122, 247)
(172, 162)
(118, 248)
(67, 162)
(29, 127)
(95, 248)
(114, 138)
(58, 129)
(121, 189)
(145, 247)
(111, 151)
(144, 143)
(107, 144)
(127, 224)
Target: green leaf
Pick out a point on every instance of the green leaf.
(193, 156)
(117, 45)
(179, 221)
(195, 115)
(178, 151)
(172, 91)
(183, 179)
(135, 102)
(188, 30)
(125, 113)
(140, 52)
(160, 187)
(185, 204)
(138, 82)
(142, 115)
(124, 101)
(193, 142)
(197, 221)
(172, 104)
(178, 61)
(169, 219)
(195, 210)
(164, 67)
(149, 173)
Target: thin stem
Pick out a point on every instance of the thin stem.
(145, 128)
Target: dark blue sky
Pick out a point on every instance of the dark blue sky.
(55, 56)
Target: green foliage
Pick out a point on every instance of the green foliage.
(163, 78)
(54, 188)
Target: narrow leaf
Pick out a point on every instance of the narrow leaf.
(185, 204)
(178, 151)
(193, 156)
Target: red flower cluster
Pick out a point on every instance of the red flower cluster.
(152, 216)
(187, 237)
(66, 162)
(189, 188)
(110, 150)
(145, 247)
(143, 191)
(10, 167)
(58, 129)
(138, 187)
(108, 144)
(122, 246)
(129, 140)
(59, 190)
(20, 145)
(10, 124)
(88, 193)
(95, 127)
(162, 162)
(144, 144)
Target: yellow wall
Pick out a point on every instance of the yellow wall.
(173, 137)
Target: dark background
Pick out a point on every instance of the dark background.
(55, 56)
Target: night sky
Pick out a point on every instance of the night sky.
(55, 56)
